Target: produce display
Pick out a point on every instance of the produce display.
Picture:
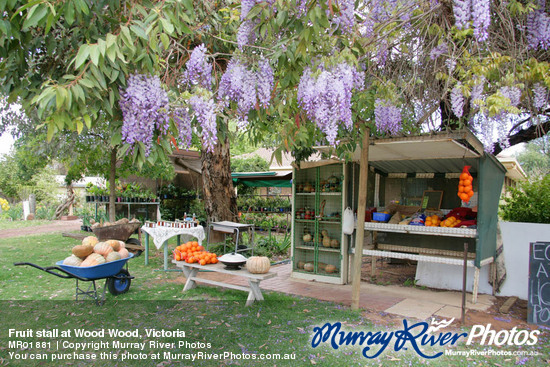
(191, 252)
(108, 224)
(92, 252)
(465, 188)
(258, 264)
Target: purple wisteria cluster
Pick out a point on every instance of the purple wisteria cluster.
(245, 87)
(513, 94)
(326, 97)
(480, 13)
(457, 101)
(205, 112)
(245, 34)
(439, 50)
(540, 97)
(477, 91)
(538, 27)
(183, 119)
(346, 17)
(144, 105)
(198, 71)
(387, 117)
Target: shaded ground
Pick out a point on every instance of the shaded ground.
(402, 273)
(55, 226)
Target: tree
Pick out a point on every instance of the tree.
(530, 202)
(535, 159)
(313, 71)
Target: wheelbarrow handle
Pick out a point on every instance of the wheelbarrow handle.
(50, 270)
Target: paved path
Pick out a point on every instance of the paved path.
(403, 301)
(55, 226)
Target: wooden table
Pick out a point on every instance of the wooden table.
(253, 289)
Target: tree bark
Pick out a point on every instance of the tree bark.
(112, 186)
(220, 200)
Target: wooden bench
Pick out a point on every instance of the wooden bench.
(254, 292)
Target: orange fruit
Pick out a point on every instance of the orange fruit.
(470, 193)
(467, 182)
(467, 189)
(460, 188)
(461, 183)
(464, 197)
(464, 176)
(203, 262)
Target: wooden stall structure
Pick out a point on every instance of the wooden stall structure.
(400, 171)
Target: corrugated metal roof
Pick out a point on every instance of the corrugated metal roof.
(444, 165)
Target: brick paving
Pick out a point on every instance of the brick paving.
(375, 301)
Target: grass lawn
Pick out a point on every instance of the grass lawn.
(214, 321)
(8, 224)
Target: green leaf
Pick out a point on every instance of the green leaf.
(99, 76)
(140, 32)
(86, 82)
(167, 26)
(35, 15)
(59, 97)
(165, 40)
(111, 53)
(188, 5)
(51, 130)
(69, 12)
(87, 121)
(94, 54)
(110, 40)
(81, 56)
(116, 139)
(79, 126)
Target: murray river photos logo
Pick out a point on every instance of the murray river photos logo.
(417, 336)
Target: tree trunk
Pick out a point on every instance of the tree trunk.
(220, 200)
(112, 186)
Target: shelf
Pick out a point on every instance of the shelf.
(305, 220)
(330, 193)
(329, 249)
(305, 193)
(305, 247)
(330, 222)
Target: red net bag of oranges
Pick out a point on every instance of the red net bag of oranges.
(465, 188)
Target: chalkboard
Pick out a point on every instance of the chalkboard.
(431, 199)
(538, 309)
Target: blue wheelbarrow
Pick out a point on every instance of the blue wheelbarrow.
(117, 278)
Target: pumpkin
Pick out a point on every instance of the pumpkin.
(309, 267)
(258, 264)
(122, 244)
(90, 240)
(93, 259)
(96, 225)
(72, 260)
(82, 251)
(123, 253)
(330, 269)
(122, 221)
(301, 264)
(334, 244)
(112, 256)
(115, 244)
(321, 266)
(103, 248)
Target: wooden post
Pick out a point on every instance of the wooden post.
(360, 234)
(464, 272)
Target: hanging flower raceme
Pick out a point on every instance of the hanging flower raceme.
(198, 71)
(326, 97)
(538, 28)
(204, 110)
(387, 117)
(144, 105)
(246, 87)
(540, 98)
(182, 118)
(457, 101)
(479, 13)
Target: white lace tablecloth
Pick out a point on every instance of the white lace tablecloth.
(161, 234)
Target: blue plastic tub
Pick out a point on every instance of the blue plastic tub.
(380, 217)
(97, 271)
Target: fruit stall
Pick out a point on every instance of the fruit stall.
(426, 197)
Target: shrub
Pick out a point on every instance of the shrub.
(529, 202)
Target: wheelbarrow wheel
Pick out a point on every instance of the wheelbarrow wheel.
(134, 241)
(121, 284)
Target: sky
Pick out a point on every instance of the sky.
(6, 142)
